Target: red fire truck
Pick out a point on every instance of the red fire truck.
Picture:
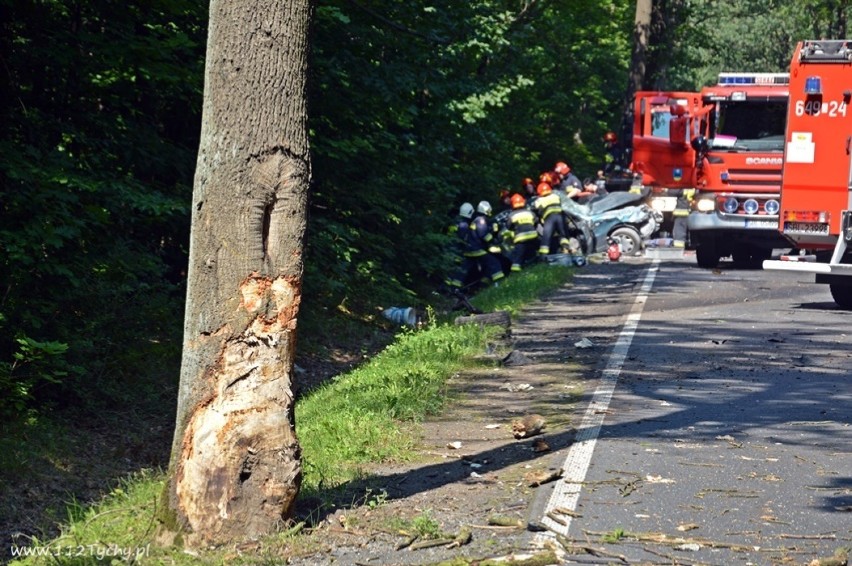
(816, 191)
(663, 160)
(717, 156)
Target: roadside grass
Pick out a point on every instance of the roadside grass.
(365, 416)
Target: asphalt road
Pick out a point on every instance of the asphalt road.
(720, 430)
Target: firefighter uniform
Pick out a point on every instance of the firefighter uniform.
(521, 225)
(548, 209)
(476, 236)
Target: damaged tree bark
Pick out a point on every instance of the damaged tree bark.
(235, 464)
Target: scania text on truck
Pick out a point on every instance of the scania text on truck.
(738, 168)
(816, 190)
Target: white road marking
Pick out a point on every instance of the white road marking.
(567, 491)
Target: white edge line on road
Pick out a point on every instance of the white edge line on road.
(567, 491)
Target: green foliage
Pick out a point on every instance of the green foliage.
(515, 292)
(417, 108)
(124, 517)
(33, 364)
(413, 109)
(425, 526)
(750, 35)
(616, 535)
(96, 161)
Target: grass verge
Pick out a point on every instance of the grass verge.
(361, 417)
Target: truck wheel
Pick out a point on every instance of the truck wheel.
(842, 295)
(629, 240)
(707, 255)
(761, 254)
(742, 255)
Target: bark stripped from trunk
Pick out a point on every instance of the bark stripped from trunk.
(235, 467)
(238, 469)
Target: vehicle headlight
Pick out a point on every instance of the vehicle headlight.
(705, 205)
(750, 206)
(772, 207)
(731, 205)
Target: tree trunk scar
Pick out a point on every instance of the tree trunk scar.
(267, 216)
(240, 378)
(242, 434)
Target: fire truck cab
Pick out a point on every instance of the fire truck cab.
(816, 190)
(663, 159)
(738, 168)
(712, 161)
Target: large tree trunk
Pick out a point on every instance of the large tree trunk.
(641, 43)
(638, 61)
(235, 464)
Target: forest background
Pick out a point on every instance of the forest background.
(414, 108)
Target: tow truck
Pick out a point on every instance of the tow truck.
(715, 157)
(816, 189)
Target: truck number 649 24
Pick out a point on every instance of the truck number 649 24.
(832, 108)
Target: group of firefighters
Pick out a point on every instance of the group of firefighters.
(531, 225)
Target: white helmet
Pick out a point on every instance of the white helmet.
(484, 207)
(466, 210)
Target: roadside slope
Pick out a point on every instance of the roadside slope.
(470, 471)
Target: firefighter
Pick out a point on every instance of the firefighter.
(505, 198)
(521, 228)
(501, 218)
(549, 177)
(593, 189)
(528, 191)
(568, 181)
(483, 211)
(468, 271)
(613, 154)
(548, 209)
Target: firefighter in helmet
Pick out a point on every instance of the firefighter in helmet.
(521, 228)
(568, 181)
(505, 196)
(613, 154)
(548, 209)
(528, 191)
(493, 241)
(468, 271)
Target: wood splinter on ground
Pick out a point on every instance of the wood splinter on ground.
(464, 536)
(840, 558)
(504, 521)
(530, 425)
(535, 479)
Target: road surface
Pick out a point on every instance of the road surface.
(720, 429)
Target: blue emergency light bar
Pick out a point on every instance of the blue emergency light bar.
(757, 79)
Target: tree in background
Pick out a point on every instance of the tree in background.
(235, 467)
(750, 35)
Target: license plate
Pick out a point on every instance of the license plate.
(805, 228)
(761, 223)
